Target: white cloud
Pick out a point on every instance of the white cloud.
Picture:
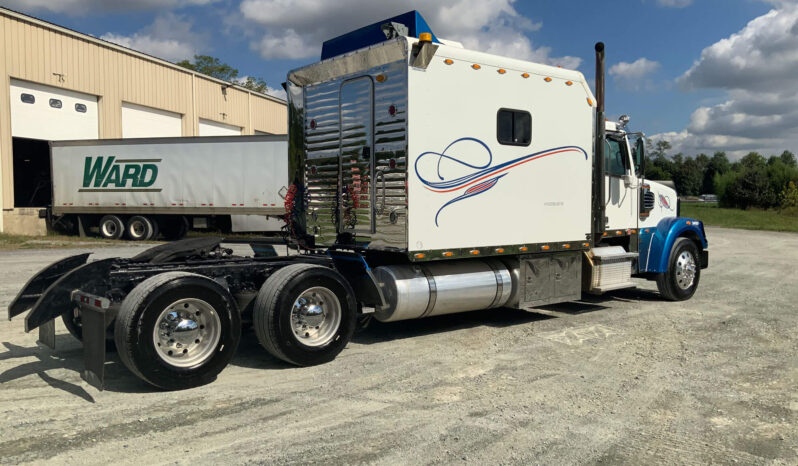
(674, 3)
(297, 29)
(757, 67)
(81, 7)
(278, 92)
(634, 76)
(169, 37)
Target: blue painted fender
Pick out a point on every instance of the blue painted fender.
(656, 243)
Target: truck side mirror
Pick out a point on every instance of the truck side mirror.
(640, 156)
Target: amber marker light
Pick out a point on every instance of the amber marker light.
(425, 37)
(525, 75)
(448, 254)
(448, 61)
(545, 247)
(500, 250)
(474, 252)
(502, 71)
(419, 255)
(523, 249)
(569, 83)
(619, 233)
(604, 234)
(381, 78)
(585, 245)
(590, 101)
(566, 246)
(475, 66)
(547, 79)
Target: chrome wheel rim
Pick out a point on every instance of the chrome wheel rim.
(187, 332)
(109, 228)
(685, 270)
(315, 316)
(137, 229)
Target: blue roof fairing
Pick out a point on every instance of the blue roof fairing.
(372, 34)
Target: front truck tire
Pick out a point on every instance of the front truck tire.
(177, 330)
(111, 227)
(680, 281)
(305, 314)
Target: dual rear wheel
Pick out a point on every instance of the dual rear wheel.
(179, 330)
(143, 228)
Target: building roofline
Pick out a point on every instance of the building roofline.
(104, 43)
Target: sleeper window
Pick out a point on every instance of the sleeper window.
(514, 127)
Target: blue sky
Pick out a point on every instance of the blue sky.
(690, 71)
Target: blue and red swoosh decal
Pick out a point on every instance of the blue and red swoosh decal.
(484, 177)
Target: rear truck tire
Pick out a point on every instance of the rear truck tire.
(111, 227)
(177, 330)
(139, 228)
(72, 322)
(173, 228)
(680, 281)
(305, 314)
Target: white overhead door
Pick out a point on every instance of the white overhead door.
(214, 128)
(139, 121)
(52, 113)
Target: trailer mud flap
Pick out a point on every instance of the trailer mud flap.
(36, 286)
(57, 298)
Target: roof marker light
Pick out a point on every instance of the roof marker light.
(502, 71)
(590, 101)
(569, 83)
(425, 37)
(547, 79)
(525, 75)
(381, 78)
(475, 66)
(448, 61)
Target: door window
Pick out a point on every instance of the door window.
(614, 158)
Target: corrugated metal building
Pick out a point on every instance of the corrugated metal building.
(58, 84)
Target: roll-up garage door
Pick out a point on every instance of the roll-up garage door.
(139, 121)
(51, 113)
(214, 128)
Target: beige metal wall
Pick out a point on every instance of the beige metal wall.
(33, 50)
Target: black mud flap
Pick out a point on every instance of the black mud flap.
(359, 275)
(95, 321)
(33, 290)
(57, 298)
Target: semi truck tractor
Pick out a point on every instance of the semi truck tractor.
(425, 179)
(139, 188)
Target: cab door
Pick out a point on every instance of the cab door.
(620, 183)
(356, 168)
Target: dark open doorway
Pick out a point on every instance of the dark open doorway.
(32, 177)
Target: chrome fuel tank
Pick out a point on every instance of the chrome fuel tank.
(436, 288)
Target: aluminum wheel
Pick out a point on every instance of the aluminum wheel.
(109, 229)
(685, 270)
(187, 332)
(315, 316)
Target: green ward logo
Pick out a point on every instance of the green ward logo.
(112, 174)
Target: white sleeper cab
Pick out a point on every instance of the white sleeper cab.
(409, 195)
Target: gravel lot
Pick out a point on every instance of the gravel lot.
(624, 378)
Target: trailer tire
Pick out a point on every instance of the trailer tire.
(139, 228)
(278, 307)
(174, 228)
(111, 227)
(152, 347)
(680, 281)
(156, 229)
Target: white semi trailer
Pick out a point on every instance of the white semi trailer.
(425, 179)
(138, 188)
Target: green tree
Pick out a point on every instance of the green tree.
(718, 165)
(212, 66)
(788, 158)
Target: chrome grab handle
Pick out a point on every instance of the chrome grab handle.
(381, 209)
